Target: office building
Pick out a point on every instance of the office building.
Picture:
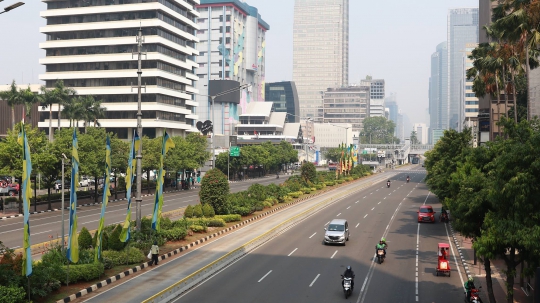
(346, 105)
(421, 130)
(89, 46)
(438, 90)
(232, 47)
(462, 29)
(320, 51)
(377, 95)
(332, 135)
(470, 104)
(284, 97)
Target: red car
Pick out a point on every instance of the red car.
(426, 214)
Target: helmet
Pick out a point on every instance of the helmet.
(471, 279)
(349, 268)
(383, 239)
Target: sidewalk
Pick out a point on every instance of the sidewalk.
(497, 275)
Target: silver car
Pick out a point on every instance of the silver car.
(337, 232)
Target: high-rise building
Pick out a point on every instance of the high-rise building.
(462, 29)
(89, 46)
(320, 51)
(232, 45)
(438, 90)
(346, 105)
(393, 109)
(285, 99)
(421, 130)
(470, 105)
(377, 95)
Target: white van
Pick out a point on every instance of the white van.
(337, 232)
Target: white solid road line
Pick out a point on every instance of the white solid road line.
(264, 276)
(312, 235)
(292, 252)
(314, 280)
(41, 232)
(332, 257)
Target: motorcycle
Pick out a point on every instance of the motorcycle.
(380, 256)
(444, 217)
(347, 286)
(475, 297)
(388, 184)
(408, 180)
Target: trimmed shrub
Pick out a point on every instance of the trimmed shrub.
(198, 228)
(46, 276)
(85, 238)
(121, 257)
(229, 218)
(208, 211)
(214, 190)
(12, 294)
(114, 239)
(165, 223)
(145, 240)
(197, 211)
(329, 183)
(306, 190)
(295, 194)
(182, 223)
(84, 272)
(174, 234)
(339, 181)
(242, 210)
(267, 204)
(349, 179)
(188, 212)
(314, 188)
(308, 172)
(215, 222)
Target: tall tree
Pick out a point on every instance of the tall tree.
(414, 137)
(28, 98)
(48, 98)
(12, 97)
(63, 96)
(378, 130)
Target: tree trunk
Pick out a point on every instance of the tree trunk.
(498, 101)
(49, 197)
(510, 272)
(13, 118)
(515, 97)
(489, 281)
(505, 93)
(59, 117)
(528, 73)
(50, 124)
(148, 181)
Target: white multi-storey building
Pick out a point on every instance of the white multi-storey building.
(89, 46)
(377, 96)
(421, 130)
(232, 47)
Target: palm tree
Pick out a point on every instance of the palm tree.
(28, 98)
(12, 97)
(74, 111)
(92, 111)
(63, 96)
(47, 99)
(414, 138)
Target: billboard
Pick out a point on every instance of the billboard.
(221, 87)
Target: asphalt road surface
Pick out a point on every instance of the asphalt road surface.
(297, 267)
(43, 226)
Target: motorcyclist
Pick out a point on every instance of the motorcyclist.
(408, 178)
(381, 245)
(388, 183)
(469, 286)
(349, 273)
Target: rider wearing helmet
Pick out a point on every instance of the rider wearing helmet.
(469, 285)
(381, 245)
(349, 273)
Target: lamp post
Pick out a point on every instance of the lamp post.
(12, 7)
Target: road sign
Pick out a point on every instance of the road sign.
(235, 151)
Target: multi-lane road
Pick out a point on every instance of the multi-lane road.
(43, 226)
(296, 267)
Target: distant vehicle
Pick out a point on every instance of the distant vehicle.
(337, 232)
(415, 160)
(423, 165)
(8, 189)
(83, 182)
(426, 214)
(332, 166)
(58, 184)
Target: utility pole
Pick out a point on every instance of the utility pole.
(138, 197)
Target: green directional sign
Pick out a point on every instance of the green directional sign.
(235, 151)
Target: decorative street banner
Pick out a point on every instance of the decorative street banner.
(106, 195)
(135, 144)
(73, 240)
(158, 203)
(26, 195)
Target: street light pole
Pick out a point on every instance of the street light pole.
(138, 197)
(63, 182)
(11, 7)
(213, 132)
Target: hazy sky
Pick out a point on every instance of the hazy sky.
(389, 39)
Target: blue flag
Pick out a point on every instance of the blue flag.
(158, 202)
(106, 195)
(73, 240)
(26, 195)
(135, 144)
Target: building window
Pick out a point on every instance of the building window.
(228, 29)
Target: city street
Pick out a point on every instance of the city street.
(297, 267)
(48, 224)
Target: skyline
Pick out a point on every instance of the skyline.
(372, 52)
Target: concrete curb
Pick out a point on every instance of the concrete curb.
(463, 261)
(135, 269)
